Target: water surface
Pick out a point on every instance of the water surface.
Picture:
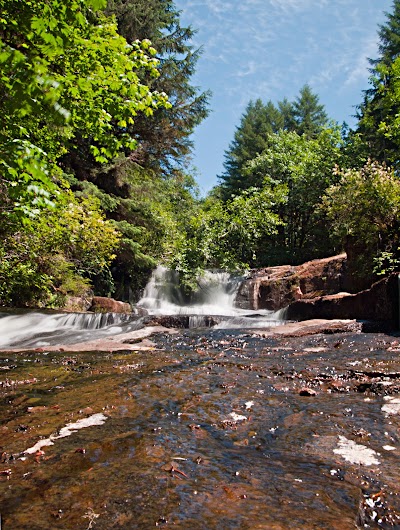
(211, 429)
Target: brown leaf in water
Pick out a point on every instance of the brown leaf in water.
(171, 468)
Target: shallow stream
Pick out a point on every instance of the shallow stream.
(210, 429)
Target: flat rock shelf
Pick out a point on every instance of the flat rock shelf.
(204, 429)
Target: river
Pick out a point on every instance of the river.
(203, 429)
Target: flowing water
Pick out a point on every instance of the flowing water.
(163, 296)
(204, 429)
(208, 430)
(33, 329)
(216, 295)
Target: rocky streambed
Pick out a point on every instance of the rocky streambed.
(205, 429)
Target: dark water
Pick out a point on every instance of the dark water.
(210, 430)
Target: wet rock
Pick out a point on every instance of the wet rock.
(273, 288)
(307, 392)
(101, 304)
(183, 321)
(377, 304)
(78, 303)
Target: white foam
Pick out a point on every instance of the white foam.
(389, 448)
(356, 453)
(237, 417)
(94, 419)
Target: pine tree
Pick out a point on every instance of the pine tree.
(389, 36)
(305, 116)
(380, 107)
(308, 114)
(164, 138)
(250, 139)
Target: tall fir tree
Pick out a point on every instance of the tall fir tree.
(164, 139)
(305, 116)
(309, 116)
(378, 112)
(250, 139)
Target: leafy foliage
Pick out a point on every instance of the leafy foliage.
(164, 140)
(65, 73)
(378, 114)
(305, 116)
(305, 167)
(70, 84)
(227, 235)
(363, 209)
(56, 253)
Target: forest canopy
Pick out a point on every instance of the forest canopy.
(98, 108)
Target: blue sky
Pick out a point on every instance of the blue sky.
(269, 49)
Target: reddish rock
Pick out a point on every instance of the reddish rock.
(276, 287)
(379, 303)
(101, 304)
(78, 303)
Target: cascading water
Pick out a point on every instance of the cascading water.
(212, 304)
(36, 329)
(216, 295)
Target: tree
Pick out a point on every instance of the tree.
(389, 37)
(305, 166)
(309, 116)
(227, 235)
(381, 106)
(250, 139)
(66, 74)
(305, 116)
(164, 140)
(70, 84)
(363, 209)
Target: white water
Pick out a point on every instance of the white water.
(215, 295)
(35, 329)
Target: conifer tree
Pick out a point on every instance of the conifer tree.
(309, 116)
(164, 138)
(380, 108)
(250, 139)
(305, 116)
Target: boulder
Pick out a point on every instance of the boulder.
(380, 303)
(77, 304)
(102, 304)
(273, 288)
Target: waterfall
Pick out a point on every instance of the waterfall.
(36, 329)
(215, 295)
(211, 304)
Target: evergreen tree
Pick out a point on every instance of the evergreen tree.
(164, 138)
(250, 140)
(309, 116)
(305, 116)
(380, 108)
(389, 37)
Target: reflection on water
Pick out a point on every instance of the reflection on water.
(212, 430)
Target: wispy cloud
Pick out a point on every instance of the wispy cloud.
(271, 48)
